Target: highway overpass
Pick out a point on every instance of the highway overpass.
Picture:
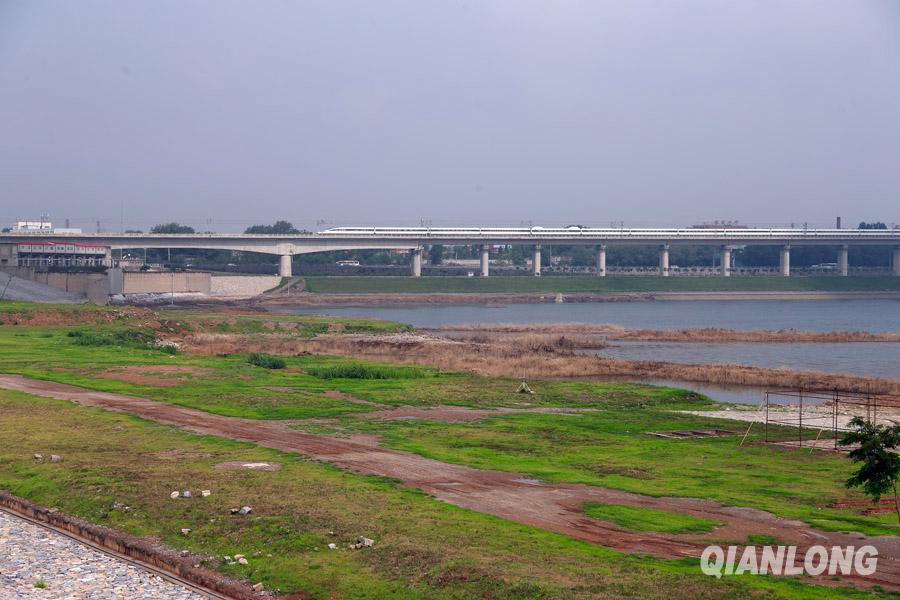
(415, 239)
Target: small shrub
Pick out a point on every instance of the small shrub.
(126, 338)
(266, 361)
(361, 371)
(39, 584)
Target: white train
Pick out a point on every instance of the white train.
(610, 233)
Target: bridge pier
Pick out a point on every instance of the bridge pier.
(415, 265)
(536, 260)
(284, 265)
(726, 261)
(664, 260)
(843, 261)
(601, 260)
(485, 259)
(897, 261)
(785, 261)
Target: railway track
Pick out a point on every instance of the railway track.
(164, 574)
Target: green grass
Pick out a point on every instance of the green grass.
(761, 539)
(610, 448)
(266, 361)
(590, 284)
(605, 446)
(131, 338)
(638, 518)
(366, 371)
(424, 548)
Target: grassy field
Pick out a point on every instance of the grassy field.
(606, 446)
(425, 548)
(589, 284)
(640, 518)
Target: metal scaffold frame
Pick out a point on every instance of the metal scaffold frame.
(827, 424)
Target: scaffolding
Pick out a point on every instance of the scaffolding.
(826, 415)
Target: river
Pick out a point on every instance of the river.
(805, 315)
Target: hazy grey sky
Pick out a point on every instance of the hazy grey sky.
(461, 112)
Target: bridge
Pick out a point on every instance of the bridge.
(415, 239)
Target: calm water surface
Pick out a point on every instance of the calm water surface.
(809, 315)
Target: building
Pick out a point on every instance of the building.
(43, 226)
(53, 254)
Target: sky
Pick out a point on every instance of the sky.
(221, 113)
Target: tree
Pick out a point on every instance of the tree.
(280, 227)
(880, 468)
(172, 228)
(436, 254)
(872, 225)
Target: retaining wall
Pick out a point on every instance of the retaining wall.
(242, 285)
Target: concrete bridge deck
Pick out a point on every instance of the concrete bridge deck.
(415, 239)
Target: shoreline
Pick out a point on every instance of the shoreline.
(499, 298)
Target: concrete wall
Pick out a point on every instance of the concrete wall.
(137, 282)
(95, 286)
(98, 286)
(242, 285)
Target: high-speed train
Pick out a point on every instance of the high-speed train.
(574, 232)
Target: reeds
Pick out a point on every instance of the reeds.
(702, 335)
(532, 357)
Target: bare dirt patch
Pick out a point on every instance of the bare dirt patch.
(156, 375)
(239, 465)
(44, 316)
(556, 507)
(178, 454)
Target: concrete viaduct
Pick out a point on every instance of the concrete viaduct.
(415, 239)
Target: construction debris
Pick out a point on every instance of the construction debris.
(692, 433)
(524, 388)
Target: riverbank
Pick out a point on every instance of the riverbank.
(531, 468)
(697, 335)
(499, 299)
(583, 286)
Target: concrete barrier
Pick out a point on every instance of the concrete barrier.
(242, 285)
(147, 282)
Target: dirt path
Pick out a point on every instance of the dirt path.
(555, 507)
